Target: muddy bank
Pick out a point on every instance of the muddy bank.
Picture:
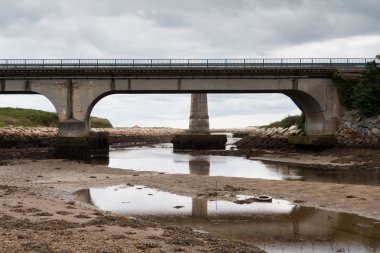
(37, 203)
(38, 213)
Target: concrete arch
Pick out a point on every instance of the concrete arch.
(314, 114)
(95, 101)
(31, 93)
(314, 117)
(74, 99)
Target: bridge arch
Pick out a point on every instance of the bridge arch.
(74, 99)
(21, 100)
(314, 116)
(309, 105)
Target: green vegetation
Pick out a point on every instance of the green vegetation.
(36, 118)
(298, 120)
(361, 93)
(100, 123)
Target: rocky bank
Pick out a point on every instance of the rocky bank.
(358, 131)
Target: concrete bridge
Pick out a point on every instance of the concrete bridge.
(75, 86)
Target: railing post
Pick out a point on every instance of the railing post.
(79, 63)
(43, 63)
(312, 62)
(244, 62)
(347, 64)
(97, 63)
(207, 63)
(133, 63)
(263, 62)
(330, 63)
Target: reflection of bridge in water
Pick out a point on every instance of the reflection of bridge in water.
(295, 226)
(298, 227)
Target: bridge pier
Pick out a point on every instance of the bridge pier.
(199, 120)
(96, 144)
(199, 128)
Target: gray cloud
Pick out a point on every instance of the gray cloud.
(187, 29)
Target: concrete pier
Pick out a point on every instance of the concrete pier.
(83, 148)
(199, 128)
(199, 120)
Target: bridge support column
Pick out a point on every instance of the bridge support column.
(199, 120)
(96, 145)
(199, 128)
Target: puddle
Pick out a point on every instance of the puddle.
(279, 226)
(161, 158)
(138, 200)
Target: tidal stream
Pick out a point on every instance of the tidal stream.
(279, 226)
(161, 158)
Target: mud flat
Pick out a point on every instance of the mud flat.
(39, 212)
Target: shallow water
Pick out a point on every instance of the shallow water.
(279, 226)
(161, 158)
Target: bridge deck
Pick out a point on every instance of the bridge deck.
(168, 68)
(189, 63)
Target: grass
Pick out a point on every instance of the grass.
(19, 117)
(298, 120)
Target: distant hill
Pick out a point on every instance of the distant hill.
(19, 117)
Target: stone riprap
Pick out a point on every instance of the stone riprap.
(27, 137)
(275, 132)
(357, 130)
(46, 137)
(266, 138)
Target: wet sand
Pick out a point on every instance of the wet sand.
(39, 212)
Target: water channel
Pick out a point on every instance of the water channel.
(161, 158)
(279, 226)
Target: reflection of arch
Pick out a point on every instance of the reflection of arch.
(84, 195)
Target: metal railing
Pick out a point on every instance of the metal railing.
(333, 63)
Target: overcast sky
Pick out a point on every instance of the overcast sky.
(186, 29)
